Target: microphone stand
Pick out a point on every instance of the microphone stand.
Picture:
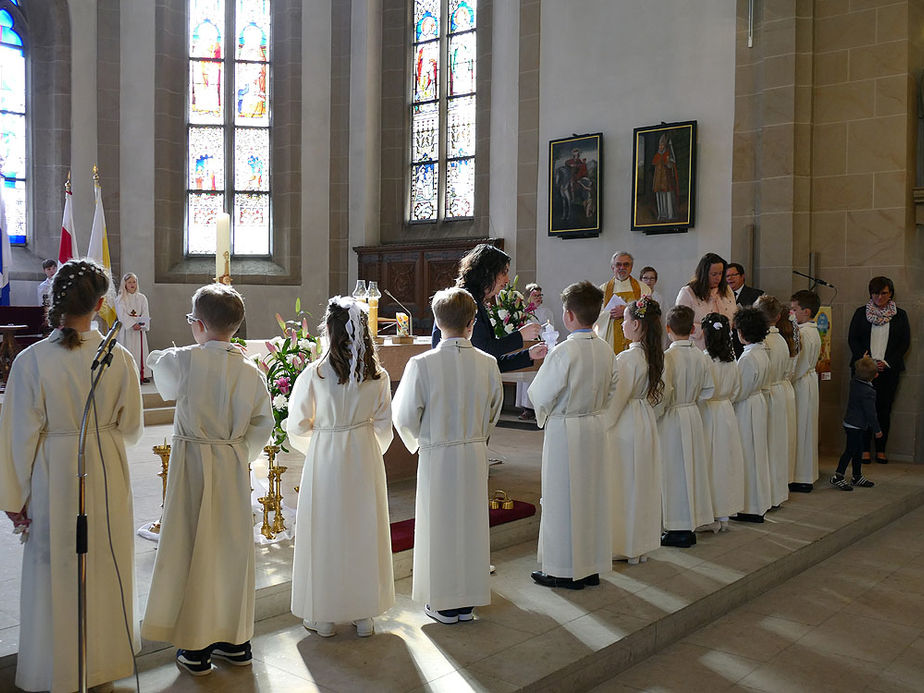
(103, 360)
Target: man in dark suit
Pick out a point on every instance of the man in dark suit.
(744, 296)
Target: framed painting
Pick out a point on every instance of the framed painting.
(664, 177)
(575, 179)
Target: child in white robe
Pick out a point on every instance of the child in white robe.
(686, 499)
(340, 416)
(132, 310)
(789, 330)
(42, 410)
(778, 418)
(202, 591)
(805, 305)
(751, 412)
(446, 405)
(723, 440)
(572, 393)
(636, 497)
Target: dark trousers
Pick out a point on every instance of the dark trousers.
(886, 385)
(853, 452)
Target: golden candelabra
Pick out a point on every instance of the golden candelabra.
(272, 501)
(164, 452)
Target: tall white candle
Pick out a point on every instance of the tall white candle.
(222, 243)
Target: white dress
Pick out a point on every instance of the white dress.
(636, 460)
(778, 419)
(792, 423)
(446, 405)
(751, 412)
(686, 499)
(805, 385)
(723, 441)
(39, 428)
(342, 570)
(572, 393)
(132, 309)
(202, 590)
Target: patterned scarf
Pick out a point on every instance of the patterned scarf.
(880, 316)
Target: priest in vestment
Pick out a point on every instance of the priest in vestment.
(609, 324)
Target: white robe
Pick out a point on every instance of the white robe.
(202, 590)
(39, 428)
(791, 421)
(446, 405)
(542, 315)
(636, 460)
(805, 385)
(571, 393)
(342, 570)
(778, 418)
(723, 441)
(751, 412)
(132, 309)
(686, 500)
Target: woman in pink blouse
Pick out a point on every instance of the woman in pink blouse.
(707, 292)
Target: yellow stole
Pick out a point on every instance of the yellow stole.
(620, 343)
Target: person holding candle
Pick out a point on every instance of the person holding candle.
(132, 308)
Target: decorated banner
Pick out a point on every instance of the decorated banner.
(823, 320)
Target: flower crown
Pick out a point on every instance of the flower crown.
(76, 270)
(641, 305)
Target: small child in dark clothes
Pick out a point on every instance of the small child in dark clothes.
(859, 418)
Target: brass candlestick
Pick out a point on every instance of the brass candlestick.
(279, 523)
(164, 452)
(226, 277)
(266, 529)
(272, 501)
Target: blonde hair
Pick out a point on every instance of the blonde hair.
(865, 368)
(454, 309)
(125, 278)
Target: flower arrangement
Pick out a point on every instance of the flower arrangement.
(509, 312)
(289, 354)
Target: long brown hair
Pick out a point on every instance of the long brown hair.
(76, 288)
(479, 268)
(788, 332)
(339, 342)
(699, 283)
(647, 311)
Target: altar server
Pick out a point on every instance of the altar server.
(202, 591)
(686, 500)
(39, 426)
(778, 418)
(571, 393)
(446, 406)
(340, 416)
(723, 440)
(805, 305)
(751, 412)
(636, 497)
(132, 309)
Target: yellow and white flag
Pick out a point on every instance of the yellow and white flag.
(99, 249)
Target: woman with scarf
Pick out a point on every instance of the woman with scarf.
(881, 330)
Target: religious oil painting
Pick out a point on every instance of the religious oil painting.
(664, 177)
(575, 178)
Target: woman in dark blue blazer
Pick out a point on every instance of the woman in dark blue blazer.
(881, 330)
(483, 271)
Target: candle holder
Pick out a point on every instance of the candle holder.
(272, 501)
(163, 451)
(226, 277)
(266, 529)
(372, 298)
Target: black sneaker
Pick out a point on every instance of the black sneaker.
(840, 483)
(862, 481)
(239, 655)
(196, 662)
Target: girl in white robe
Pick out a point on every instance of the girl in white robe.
(723, 439)
(636, 496)
(340, 417)
(805, 385)
(789, 329)
(778, 418)
(132, 310)
(446, 406)
(39, 427)
(751, 412)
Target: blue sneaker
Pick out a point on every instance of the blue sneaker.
(196, 662)
(239, 655)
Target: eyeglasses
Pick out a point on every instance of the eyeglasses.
(731, 275)
(190, 318)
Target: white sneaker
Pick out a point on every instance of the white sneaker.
(364, 627)
(323, 628)
(643, 558)
(724, 525)
(633, 561)
(441, 617)
(492, 569)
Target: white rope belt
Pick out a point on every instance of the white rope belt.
(338, 429)
(209, 441)
(74, 434)
(681, 406)
(453, 443)
(576, 416)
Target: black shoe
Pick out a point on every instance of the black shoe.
(882, 460)
(747, 517)
(865, 460)
(239, 655)
(592, 580)
(196, 662)
(800, 488)
(681, 539)
(551, 581)
(862, 482)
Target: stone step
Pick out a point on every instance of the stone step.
(156, 416)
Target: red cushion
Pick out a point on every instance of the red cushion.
(402, 533)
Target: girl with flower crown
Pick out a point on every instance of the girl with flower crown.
(44, 400)
(340, 417)
(637, 472)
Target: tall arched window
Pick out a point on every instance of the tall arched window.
(442, 136)
(13, 118)
(228, 124)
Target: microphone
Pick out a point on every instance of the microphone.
(389, 294)
(814, 279)
(106, 346)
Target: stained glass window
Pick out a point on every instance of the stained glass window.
(442, 130)
(228, 148)
(13, 124)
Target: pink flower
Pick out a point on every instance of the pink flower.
(282, 384)
(271, 347)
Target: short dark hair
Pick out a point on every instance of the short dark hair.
(584, 300)
(648, 268)
(752, 324)
(877, 284)
(807, 299)
(454, 309)
(680, 320)
(219, 307)
(739, 268)
(865, 368)
(49, 263)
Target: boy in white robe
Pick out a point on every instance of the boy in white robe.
(805, 305)
(202, 591)
(446, 405)
(686, 499)
(572, 393)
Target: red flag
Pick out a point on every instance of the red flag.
(68, 248)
